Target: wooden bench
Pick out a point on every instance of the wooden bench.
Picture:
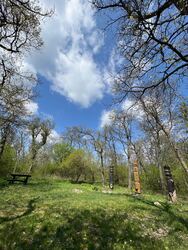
(19, 178)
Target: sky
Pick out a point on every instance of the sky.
(73, 66)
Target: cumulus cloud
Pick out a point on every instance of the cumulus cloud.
(31, 107)
(71, 41)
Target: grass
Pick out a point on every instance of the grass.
(59, 215)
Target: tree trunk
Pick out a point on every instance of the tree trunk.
(177, 152)
(173, 145)
(77, 178)
(161, 178)
(158, 162)
(129, 169)
(2, 146)
(102, 170)
(4, 140)
(180, 158)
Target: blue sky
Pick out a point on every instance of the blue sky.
(73, 66)
(66, 113)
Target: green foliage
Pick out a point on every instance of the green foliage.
(150, 180)
(121, 175)
(180, 180)
(46, 170)
(184, 114)
(7, 161)
(77, 165)
(61, 151)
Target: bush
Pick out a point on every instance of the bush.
(7, 161)
(77, 166)
(150, 180)
(179, 180)
(46, 170)
(121, 175)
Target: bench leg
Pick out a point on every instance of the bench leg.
(26, 179)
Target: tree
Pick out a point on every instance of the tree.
(123, 130)
(184, 116)
(92, 139)
(61, 151)
(20, 25)
(152, 41)
(159, 109)
(20, 32)
(13, 112)
(40, 130)
(76, 165)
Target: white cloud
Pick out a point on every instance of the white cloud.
(54, 137)
(107, 118)
(31, 107)
(128, 107)
(71, 40)
(133, 109)
(77, 80)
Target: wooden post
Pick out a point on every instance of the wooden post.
(111, 177)
(170, 184)
(136, 178)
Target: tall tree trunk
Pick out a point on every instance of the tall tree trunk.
(2, 146)
(158, 163)
(180, 158)
(102, 169)
(4, 140)
(129, 168)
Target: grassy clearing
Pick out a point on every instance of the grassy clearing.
(60, 215)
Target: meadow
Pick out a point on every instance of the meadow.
(55, 214)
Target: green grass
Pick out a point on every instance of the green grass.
(60, 215)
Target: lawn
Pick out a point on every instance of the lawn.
(60, 215)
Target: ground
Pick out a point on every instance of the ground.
(59, 215)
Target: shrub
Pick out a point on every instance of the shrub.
(179, 180)
(77, 166)
(121, 175)
(150, 180)
(7, 161)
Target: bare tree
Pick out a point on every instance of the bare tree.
(152, 41)
(20, 25)
(123, 129)
(13, 112)
(97, 140)
(160, 115)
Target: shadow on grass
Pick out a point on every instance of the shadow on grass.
(30, 208)
(100, 229)
(164, 207)
(95, 229)
(167, 208)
